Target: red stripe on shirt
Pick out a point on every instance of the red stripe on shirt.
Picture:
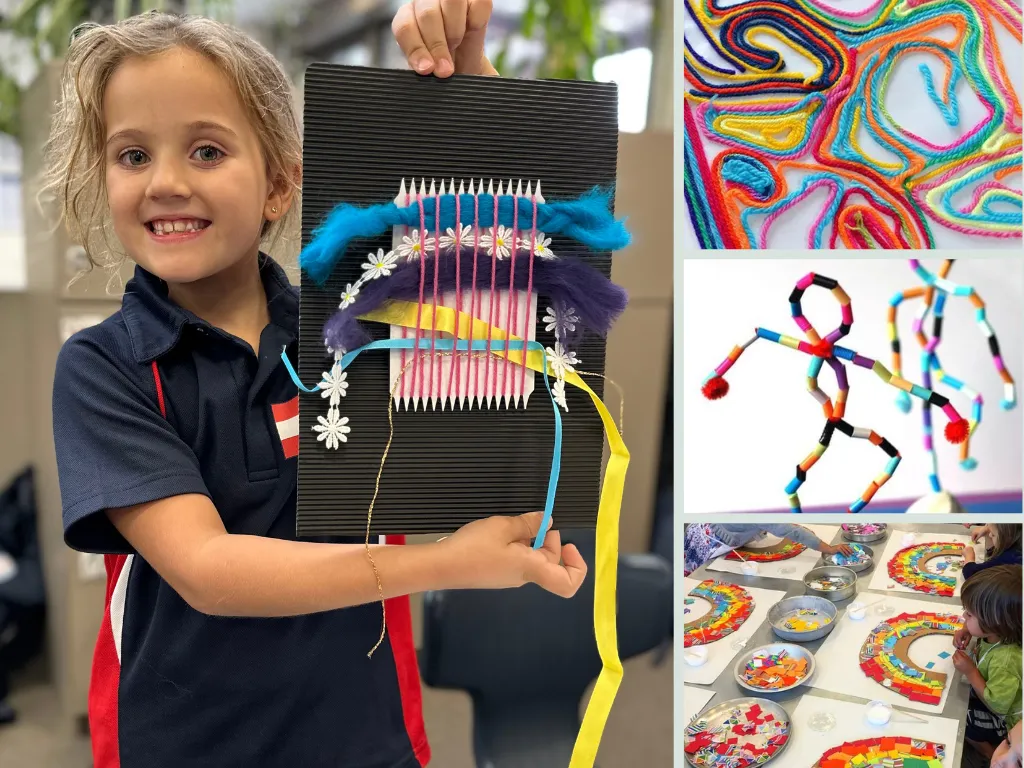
(285, 411)
(404, 649)
(104, 682)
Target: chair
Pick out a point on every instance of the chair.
(526, 657)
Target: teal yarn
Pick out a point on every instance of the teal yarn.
(749, 172)
(586, 219)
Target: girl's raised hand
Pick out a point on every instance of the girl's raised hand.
(443, 37)
(497, 553)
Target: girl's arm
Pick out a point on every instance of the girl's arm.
(184, 540)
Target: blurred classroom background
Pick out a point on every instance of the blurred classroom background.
(51, 598)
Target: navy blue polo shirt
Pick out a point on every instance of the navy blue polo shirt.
(154, 402)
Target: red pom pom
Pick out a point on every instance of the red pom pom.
(715, 388)
(956, 431)
(822, 349)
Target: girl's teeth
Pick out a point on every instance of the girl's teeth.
(168, 227)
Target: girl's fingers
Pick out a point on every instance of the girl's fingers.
(454, 13)
(552, 547)
(407, 34)
(470, 51)
(562, 580)
(430, 21)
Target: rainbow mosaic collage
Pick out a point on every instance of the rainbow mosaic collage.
(909, 567)
(762, 137)
(731, 605)
(884, 656)
(884, 752)
(784, 550)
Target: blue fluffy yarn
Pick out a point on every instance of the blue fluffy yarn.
(587, 219)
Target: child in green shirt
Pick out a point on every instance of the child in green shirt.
(992, 614)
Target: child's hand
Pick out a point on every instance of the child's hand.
(969, 555)
(844, 549)
(497, 553)
(444, 36)
(963, 663)
(980, 531)
(961, 638)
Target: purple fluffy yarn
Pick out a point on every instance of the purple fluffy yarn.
(598, 301)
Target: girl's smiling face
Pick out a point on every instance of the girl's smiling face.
(186, 178)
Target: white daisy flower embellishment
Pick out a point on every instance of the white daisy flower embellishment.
(333, 385)
(540, 244)
(562, 360)
(379, 265)
(411, 247)
(561, 321)
(558, 394)
(348, 296)
(500, 244)
(462, 238)
(333, 430)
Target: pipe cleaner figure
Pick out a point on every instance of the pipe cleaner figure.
(827, 351)
(936, 290)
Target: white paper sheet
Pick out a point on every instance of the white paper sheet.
(721, 653)
(806, 745)
(880, 576)
(791, 568)
(838, 669)
(694, 700)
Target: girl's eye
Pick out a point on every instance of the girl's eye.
(134, 157)
(208, 154)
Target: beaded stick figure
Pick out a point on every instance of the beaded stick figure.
(936, 290)
(827, 351)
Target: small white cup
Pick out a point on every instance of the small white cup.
(695, 655)
(878, 713)
(856, 611)
(908, 539)
(749, 568)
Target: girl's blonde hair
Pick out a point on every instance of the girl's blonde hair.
(74, 175)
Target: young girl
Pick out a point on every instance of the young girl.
(992, 614)
(225, 641)
(704, 542)
(1004, 549)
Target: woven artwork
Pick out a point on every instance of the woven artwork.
(826, 350)
(896, 125)
(731, 605)
(935, 291)
(884, 752)
(782, 550)
(910, 567)
(885, 655)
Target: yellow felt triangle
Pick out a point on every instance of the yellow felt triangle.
(606, 556)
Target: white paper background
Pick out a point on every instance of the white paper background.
(768, 422)
(880, 576)
(791, 568)
(910, 106)
(694, 700)
(806, 746)
(838, 659)
(720, 652)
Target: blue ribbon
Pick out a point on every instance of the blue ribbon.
(447, 345)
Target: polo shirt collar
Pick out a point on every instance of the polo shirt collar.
(155, 323)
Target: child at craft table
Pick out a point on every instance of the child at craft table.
(1003, 547)
(704, 542)
(992, 614)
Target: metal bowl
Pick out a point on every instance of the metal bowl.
(790, 649)
(787, 606)
(835, 595)
(830, 560)
(866, 538)
(719, 712)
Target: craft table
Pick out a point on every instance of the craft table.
(726, 687)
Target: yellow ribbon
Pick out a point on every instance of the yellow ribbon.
(606, 556)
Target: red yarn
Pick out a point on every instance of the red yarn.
(956, 431)
(715, 388)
